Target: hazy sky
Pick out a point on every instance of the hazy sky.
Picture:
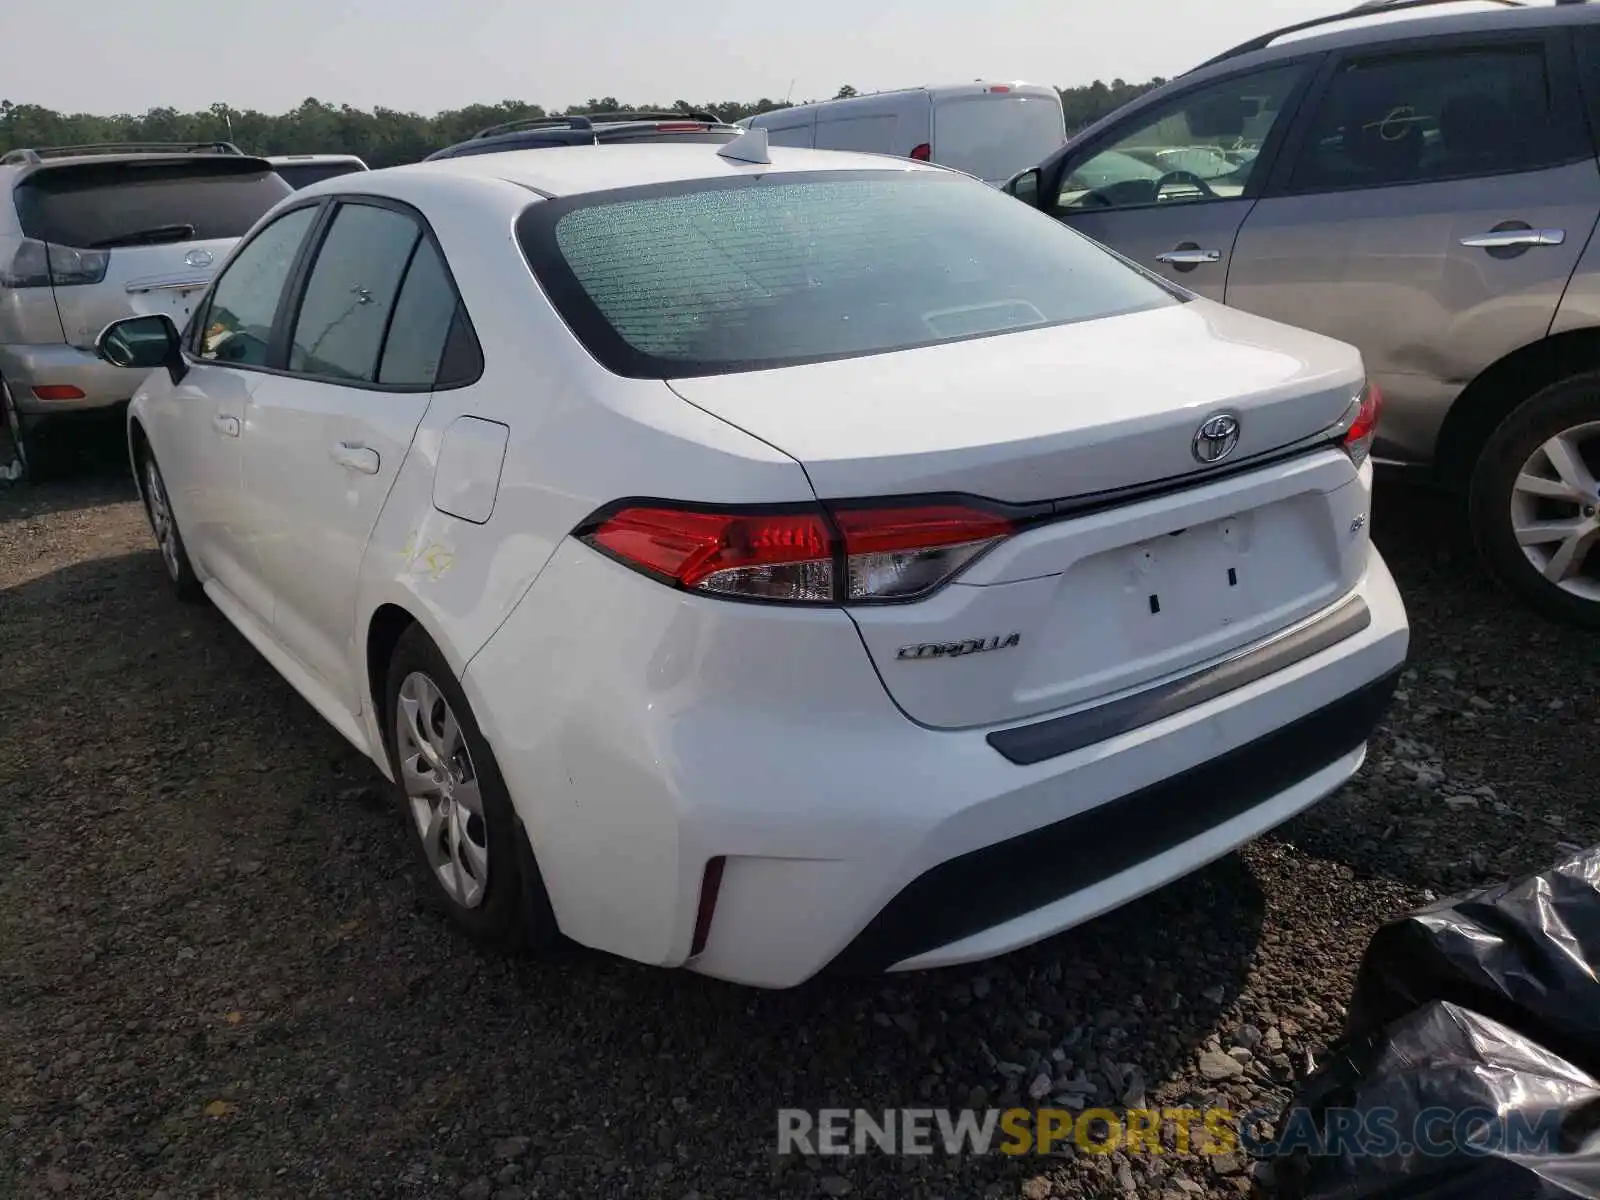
(427, 55)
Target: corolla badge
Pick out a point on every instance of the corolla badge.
(1217, 438)
(959, 649)
(199, 258)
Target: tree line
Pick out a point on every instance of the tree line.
(386, 137)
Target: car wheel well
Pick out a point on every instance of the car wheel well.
(138, 447)
(384, 632)
(1499, 389)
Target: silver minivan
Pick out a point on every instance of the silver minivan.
(91, 234)
(1419, 179)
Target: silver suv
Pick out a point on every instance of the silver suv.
(1420, 181)
(91, 234)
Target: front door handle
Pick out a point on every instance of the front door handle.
(226, 426)
(357, 457)
(1505, 239)
(1189, 256)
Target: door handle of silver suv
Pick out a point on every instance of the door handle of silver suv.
(226, 426)
(1503, 239)
(1189, 258)
(357, 457)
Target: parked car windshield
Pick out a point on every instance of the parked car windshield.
(299, 175)
(714, 276)
(994, 137)
(101, 204)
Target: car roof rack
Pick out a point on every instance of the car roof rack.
(37, 154)
(574, 122)
(1367, 9)
(694, 114)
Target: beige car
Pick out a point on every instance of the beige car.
(1419, 179)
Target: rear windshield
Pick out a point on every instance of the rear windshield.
(716, 276)
(106, 204)
(993, 137)
(299, 175)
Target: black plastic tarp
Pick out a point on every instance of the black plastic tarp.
(1524, 954)
(1443, 1104)
(1470, 1066)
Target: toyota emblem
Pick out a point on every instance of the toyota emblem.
(1217, 438)
(199, 258)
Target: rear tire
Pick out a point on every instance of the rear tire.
(1535, 501)
(22, 435)
(457, 810)
(164, 524)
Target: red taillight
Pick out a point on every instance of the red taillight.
(888, 553)
(680, 127)
(922, 153)
(779, 556)
(57, 391)
(1358, 441)
(999, 87)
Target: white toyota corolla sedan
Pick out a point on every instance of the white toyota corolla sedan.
(770, 561)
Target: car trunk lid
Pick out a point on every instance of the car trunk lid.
(1098, 593)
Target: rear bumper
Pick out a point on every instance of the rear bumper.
(1017, 891)
(643, 736)
(26, 367)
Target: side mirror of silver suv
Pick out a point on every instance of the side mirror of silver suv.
(144, 343)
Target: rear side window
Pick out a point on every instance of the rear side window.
(1416, 118)
(129, 203)
(994, 138)
(710, 277)
(299, 175)
(351, 293)
(420, 326)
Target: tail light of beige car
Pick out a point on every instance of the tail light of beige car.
(1358, 441)
(805, 555)
(41, 264)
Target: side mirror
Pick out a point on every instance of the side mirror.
(143, 343)
(1025, 187)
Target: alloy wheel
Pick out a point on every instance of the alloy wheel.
(1555, 510)
(161, 522)
(441, 787)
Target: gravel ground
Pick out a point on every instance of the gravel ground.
(217, 978)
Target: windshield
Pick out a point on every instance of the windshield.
(713, 276)
(121, 203)
(994, 137)
(299, 175)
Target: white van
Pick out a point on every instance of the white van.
(991, 130)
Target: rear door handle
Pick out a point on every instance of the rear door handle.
(226, 426)
(1189, 258)
(357, 457)
(1501, 239)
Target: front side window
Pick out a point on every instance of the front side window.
(714, 276)
(351, 292)
(1416, 118)
(1203, 145)
(238, 323)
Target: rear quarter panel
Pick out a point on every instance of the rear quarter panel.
(578, 438)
